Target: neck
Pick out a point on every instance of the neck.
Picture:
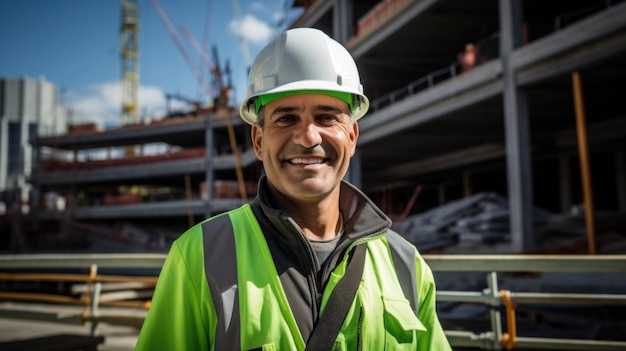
(319, 220)
(321, 227)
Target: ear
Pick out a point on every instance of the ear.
(257, 140)
(354, 136)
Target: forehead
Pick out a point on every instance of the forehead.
(304, 101)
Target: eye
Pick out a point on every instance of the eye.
(284, 119)
(327, 118)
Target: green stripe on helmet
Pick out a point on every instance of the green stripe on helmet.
(263, 100)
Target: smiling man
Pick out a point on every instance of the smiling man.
(305, 143)
(311, 263)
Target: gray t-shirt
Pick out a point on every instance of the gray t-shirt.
(323, 248)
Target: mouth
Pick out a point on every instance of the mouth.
(307, 161)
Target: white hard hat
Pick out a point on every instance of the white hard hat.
(302, 60)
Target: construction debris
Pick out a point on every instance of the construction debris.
(476, 221)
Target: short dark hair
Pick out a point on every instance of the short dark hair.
(260, 117)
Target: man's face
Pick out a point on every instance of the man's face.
(305, 144)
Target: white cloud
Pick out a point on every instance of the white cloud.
(151, 102)
(263, 10)
(101, 104)
(252, 29)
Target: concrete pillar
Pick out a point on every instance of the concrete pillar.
(441, 192)
(565, 193)
(467, 184)
(516, 130)
(209, 176)
(620, 170)
(4, 159)
(343, 16)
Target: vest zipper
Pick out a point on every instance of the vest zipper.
(316, 295)
(359, 331)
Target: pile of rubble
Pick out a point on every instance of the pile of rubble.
(476, 223)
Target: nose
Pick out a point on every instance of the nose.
(308, 135)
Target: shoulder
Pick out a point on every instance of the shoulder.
(405, 253)
(211, 225)
(194, 238)
(399, 245)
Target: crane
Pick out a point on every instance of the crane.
(221, 105)
(190, 62)
(130, 60)
(220, 89)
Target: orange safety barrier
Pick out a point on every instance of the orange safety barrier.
(509, 338)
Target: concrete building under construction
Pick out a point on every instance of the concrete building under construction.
(514, 98)
(495, 126)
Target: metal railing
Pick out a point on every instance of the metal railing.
(415, 86)
(487, 49)
(496, 299)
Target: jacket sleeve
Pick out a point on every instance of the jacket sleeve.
(427, 312)
(181, 311)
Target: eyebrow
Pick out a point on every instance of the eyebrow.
(318, 108)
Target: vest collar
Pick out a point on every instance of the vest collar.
(362, 217)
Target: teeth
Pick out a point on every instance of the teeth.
(307, 161)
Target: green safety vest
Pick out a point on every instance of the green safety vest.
(193, 311)
(380, 317)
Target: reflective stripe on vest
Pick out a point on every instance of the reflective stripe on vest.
(266, 318)
(252, 307)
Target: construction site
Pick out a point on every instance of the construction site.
(495, 141)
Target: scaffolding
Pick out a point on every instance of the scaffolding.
(120, 299)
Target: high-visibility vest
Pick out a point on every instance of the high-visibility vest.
(380, 317)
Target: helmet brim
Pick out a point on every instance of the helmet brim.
(361, 105)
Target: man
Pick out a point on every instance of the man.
(262, 276)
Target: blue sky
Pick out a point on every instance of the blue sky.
(74, 44)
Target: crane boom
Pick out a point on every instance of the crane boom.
(217, 75)
(192, 65)
(242, 38)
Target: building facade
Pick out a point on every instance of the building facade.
(29, 108)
